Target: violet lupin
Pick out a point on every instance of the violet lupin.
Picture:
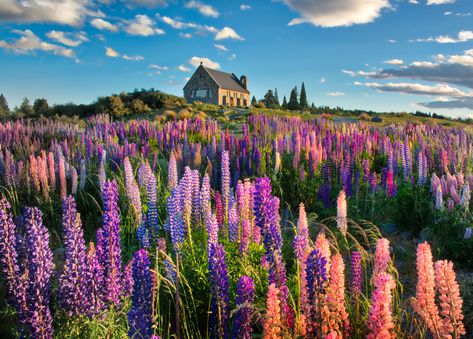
(172, 172)
(233, 220)
(220, 285)
(94, 282)
(40, 269)
(316, 273)
(132, 190)
(242, 326)
(152, 215)
(72, 281)
(225, 184)
(355, 274)
(110, 244)
(140, 318)
(176, 224)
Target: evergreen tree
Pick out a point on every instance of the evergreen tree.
(41, 106)
(270, 100)
(303, 104)
(26, 107)
(293, 104)
(253, 101)
(284, 103)
(4, 109)
(276, 98)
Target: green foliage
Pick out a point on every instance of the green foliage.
(303, 104)
(41, 106)
(4, 109)
(293, 103)
(26, 107)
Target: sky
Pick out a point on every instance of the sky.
(382, 55)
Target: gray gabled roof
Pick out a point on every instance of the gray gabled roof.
(226, 80)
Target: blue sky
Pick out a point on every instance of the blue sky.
(385, 55)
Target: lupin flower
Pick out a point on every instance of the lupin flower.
(466, 195)
(356, 274)
(205, 207)
(219, 284)
(110, 244)
(172, 172)
(140, 316)
(424, 302)
(62, 177)
(51, 171)
(127, 279)
(342, 212)
(72, 282)
(245, 236)
(40, 269)
(152, 215)
(382, 257)
(82, 174)
(212, 230)
(133, 191)
(439, 198)
(380, 321)
(272, 326)
(94, 282)
(316, 272)
(450, 300)
(176, 224)
(338, 321)
(242, 326)
(233, 220)
(225, 184)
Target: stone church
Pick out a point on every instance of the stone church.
(218, 88)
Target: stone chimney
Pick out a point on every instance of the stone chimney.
(244, 82)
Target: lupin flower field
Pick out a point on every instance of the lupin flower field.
(270, 227)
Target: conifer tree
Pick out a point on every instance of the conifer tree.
(4, 109)
(293, 103)
(284, 103)
(253, 101)
(303, 104)
(276, 98)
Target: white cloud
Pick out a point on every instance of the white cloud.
(186, 35)
(322, 80)
(335, 94)
(439, 2)
(394, 62)
(142, 25)
(110, 52)
(418, 89)
(195, 61)
(333, 13)
(66, 12)
(184, 68)
(221, 47)
(158, 67)
(204, 9)
(102, 24)
(392, 41)
(228, 33)
(462, 36)
(146, 3)
(133, 57)
(232, 57)
(29, 43)
(358, 73)
(68, 39)
(173, 22)
(245, 7)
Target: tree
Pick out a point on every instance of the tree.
(25, 107)
(4, 109)
(284, 103)
(276, 98)
(293, 104)
(137, 106)
(41, 106)
(116, 107)
(253, 101)
(270, 100)
(303, 104)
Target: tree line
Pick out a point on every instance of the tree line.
(296, 101)
(117, 105)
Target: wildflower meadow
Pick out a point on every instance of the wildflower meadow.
(268, 227)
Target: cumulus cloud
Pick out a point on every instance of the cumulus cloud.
(146, 3)
(245, 7)
(68, 39)
(132, 57)
(322, 80)
(66, 12)
(448, 104)
(335, 94)
(221, 47)
(195, 61)
(418, 89)
(204, 9)
(439, 2)
(333, 13)
(103, 25)
(186, 35)
(142, 25)
(228, 33)
(28, 43)
(110, 52)
(158, 67)
(394, 62)
(184, 68)
(453, 69)
(462, 36)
